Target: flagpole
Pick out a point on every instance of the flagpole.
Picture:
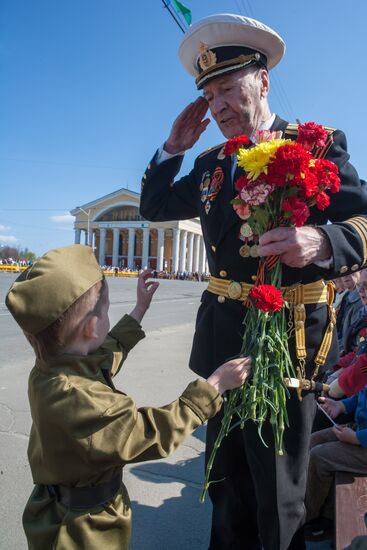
(173, 16)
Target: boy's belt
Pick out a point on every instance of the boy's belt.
(85, 497)
(313, 293)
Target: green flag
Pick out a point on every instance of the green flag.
(180, 8)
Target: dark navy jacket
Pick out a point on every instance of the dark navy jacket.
(219, 325)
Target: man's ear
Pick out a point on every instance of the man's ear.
(265, 83)
(90, 327)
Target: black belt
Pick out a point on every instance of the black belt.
(85, 497)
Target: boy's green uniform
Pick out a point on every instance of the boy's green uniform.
(84, 431)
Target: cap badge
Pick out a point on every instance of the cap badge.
(207, 58)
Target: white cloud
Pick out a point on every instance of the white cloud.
(4, 227)
(62, 218)
(8, 239)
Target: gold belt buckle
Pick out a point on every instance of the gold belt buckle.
(234, 290)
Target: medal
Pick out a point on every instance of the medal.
(204, 186)
(215, 183)
(244, 251)
(245, 232)
(253, 251)
(207, 207)
(221, 155)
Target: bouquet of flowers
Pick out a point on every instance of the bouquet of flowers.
(282, 179)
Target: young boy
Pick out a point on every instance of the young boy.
(84, 430)
(334, 449)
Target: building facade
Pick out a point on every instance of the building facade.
(120, 237)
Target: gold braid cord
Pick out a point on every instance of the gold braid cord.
(328, 336)
(297, 308)
(299, 319)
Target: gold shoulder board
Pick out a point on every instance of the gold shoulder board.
(211, 149)
(329, 129)
(292, 129)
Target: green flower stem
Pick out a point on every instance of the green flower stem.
(264, 396)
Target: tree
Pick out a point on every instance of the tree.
(16, 253)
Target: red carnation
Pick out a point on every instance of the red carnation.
(311, 135)
(327, 175)
(267, 297)
(308, 183)
(235, 143)
(298, 208)
(290, 160)
(322, 200)
(241, 182)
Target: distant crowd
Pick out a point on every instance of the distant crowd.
(14, 262)
(177, 275)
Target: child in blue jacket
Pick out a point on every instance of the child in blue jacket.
(340, 448)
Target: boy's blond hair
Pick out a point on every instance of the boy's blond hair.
(57, 337)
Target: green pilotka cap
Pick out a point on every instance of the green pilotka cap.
(44, 291)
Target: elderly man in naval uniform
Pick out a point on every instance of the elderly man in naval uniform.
(259, 502)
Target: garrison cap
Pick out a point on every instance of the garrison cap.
(224, 43)
(44, 291)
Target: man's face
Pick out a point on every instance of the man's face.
(234, 100)
(362, 286)
(350, 281)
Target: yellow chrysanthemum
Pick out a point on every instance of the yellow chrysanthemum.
(255, 161)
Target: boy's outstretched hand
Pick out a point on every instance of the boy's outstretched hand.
(145, 291)
(230, 375)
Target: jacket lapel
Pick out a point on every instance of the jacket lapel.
(279, 124)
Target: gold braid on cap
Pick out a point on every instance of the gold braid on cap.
(223, 66)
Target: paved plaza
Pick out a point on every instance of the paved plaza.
(167, 514)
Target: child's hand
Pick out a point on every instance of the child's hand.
(145, 291)
(231, 374)
(333, 408)
(345, 434)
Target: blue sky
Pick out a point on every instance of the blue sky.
(89, 89)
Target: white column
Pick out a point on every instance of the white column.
(145, 254)
(195, 264)
(102, 246)
(202, 263)
(130, 250)
(90, 237)
(183, 243)
(77, 236)
(115, 247)
(190, 251)
(160, 249)
(175, 248)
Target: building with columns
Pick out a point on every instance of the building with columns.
(120, 237)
